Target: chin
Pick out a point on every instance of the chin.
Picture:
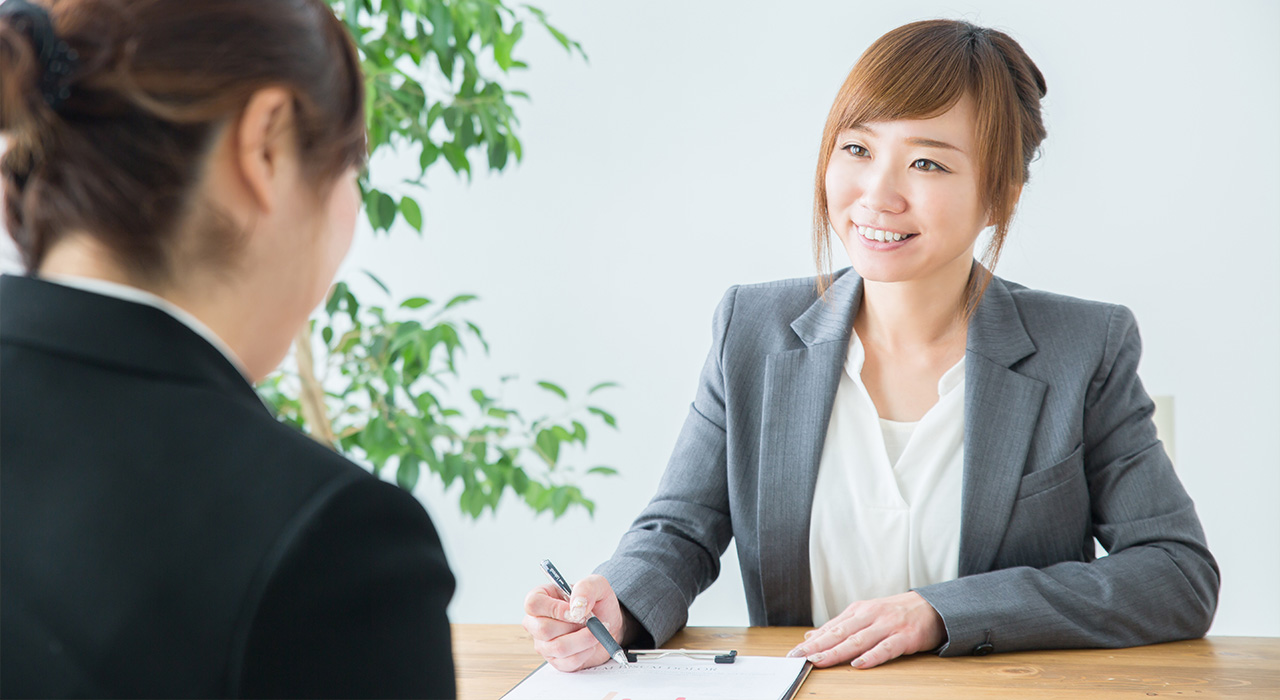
(881, 270)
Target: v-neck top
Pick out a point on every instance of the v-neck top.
(886, 506)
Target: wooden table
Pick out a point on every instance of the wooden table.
(491, 659)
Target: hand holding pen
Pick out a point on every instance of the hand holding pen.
(557, 624)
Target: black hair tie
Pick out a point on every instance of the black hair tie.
(57, 60)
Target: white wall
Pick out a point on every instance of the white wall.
(680, 161)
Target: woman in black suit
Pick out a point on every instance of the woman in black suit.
(180, 180)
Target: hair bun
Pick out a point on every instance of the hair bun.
(19, 78)
(1035, 71)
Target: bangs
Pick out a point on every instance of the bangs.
(908, 75)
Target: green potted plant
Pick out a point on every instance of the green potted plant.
(379, 381)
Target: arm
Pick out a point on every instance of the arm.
(672, 551)
(356, 605)
(1159, 582)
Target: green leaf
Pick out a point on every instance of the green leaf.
(460, 299)
(327, 335)
(519, 481)
(548, 447)
(603, 471)
(472, 501)
(430, 154)
(386, 208)
(414, 303)
(336, 296)
(604, 415)
(560, 499)
(377, 281)
(497, 154)
(411, 212)
(555, 389)
(600, 386)
(479, 336)
(457, 158)
(537, 496)
(407, 473)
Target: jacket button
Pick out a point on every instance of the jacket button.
(983, 649)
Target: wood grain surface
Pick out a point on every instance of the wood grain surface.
(491, 659)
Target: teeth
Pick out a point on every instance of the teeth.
(873, 234)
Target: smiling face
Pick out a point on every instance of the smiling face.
(904, 196)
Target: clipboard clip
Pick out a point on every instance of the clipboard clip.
(720, 656)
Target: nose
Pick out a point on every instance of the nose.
(879, 192)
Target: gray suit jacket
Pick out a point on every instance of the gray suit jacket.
(1059, 448)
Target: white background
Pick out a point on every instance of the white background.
(680, 161)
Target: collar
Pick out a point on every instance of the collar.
(111, 331)
(996, 331)
(141, 296)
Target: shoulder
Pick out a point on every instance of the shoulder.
(1052, 318)
(1076, 341)
(774, 296)
(761, 313)
(319, 484)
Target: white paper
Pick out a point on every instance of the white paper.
(671, 678)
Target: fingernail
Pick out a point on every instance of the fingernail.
(577, 609)
(857, 663)
(795, 653)
(810, 633)
(817, 657)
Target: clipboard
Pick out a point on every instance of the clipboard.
(665, 674)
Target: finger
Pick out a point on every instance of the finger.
(567, 645)
(581, 660)
(849, 648)
(828, 636)
(586, 593)
(546, 601)
(888, 649)
(546, 628)
(852, 617)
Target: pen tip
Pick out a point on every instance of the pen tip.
(621, 657)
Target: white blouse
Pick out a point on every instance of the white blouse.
(886, 507)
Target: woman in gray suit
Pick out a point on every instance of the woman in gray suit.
(914, 454)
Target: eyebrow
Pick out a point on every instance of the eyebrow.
(915, 140)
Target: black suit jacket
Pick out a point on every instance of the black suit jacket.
(162, 535)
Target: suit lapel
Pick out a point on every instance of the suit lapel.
(1001, 409)
(799, 389)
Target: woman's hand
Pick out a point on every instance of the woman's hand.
(559, 628)
(871, 632)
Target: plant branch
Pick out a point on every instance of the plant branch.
(311, 397)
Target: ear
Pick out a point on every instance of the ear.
(261, 142)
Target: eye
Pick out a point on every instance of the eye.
(856, 151)
(928, 166)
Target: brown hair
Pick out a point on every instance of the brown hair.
(920, 70)
(153, 83)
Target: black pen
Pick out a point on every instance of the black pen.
(593, 623)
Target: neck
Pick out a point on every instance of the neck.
(916, 313)
(216, 304)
